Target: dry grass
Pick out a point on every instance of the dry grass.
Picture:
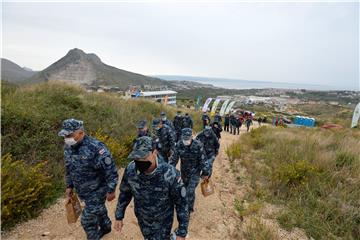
(314, 173)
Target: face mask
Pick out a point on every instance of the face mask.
(142, 133)
(187, 142)
(142, 166)
(70, 141)
(164, 119)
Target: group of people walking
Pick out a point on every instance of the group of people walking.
(234, 122)
(151, 178)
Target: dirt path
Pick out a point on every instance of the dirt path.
(214, 216)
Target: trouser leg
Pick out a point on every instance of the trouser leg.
(94, 218)
(211, 162)
(190, 190)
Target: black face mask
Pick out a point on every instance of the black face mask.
(142, 133)
(142, 166)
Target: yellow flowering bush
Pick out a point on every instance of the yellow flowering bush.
(24, 189)
(119, 149)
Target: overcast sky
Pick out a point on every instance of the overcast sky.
(316, 43)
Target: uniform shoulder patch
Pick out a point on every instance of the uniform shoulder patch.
(183, 192)
(108, 160)
(102, 151)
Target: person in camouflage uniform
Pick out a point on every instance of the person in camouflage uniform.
(91, 171)
(187, 121)
(178, 121)
(156, 188)
(142, 130)
(211, 145)
(204, 118)
(164, 138)
(217, 118)
(166, 121)
(193, 164)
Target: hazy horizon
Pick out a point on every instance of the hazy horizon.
(297, 43)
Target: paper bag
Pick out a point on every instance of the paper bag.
(73, 209)
(207, 188)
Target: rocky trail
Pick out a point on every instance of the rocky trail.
(214, 217)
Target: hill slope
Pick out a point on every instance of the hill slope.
(13, 73)
(81, 68)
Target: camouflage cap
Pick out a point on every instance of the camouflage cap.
(186, 133)
(142, 147)
(156, 122)
(141, 124)
(69, 126)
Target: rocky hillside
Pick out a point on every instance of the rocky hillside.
(13, 73)
(82, 68)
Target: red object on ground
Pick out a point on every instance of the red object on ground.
(331, 126)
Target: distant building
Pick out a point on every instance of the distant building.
(167, 96)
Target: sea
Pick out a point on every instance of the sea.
(248, 84)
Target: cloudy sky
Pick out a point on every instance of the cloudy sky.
(315, 43)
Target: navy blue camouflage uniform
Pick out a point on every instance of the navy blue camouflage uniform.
(178, 126)
(165, 140)
(167, 121)
(155, 196)
(91, 170)
(193, 164)
(211, 145)
(205, 118)
(187, 122)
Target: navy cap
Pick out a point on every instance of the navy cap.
(142, 147)
(156, 122)
(186, 133)
(69, 126)
(141, 124)
(162, 114)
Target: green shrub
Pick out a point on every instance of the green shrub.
(234, 151)
(24, 190)
(257, 137)
(294, 174)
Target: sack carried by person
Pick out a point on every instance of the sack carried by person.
(73, 208)
(207, 187)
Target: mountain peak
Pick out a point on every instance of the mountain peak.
(83, 68)
(77, 53)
